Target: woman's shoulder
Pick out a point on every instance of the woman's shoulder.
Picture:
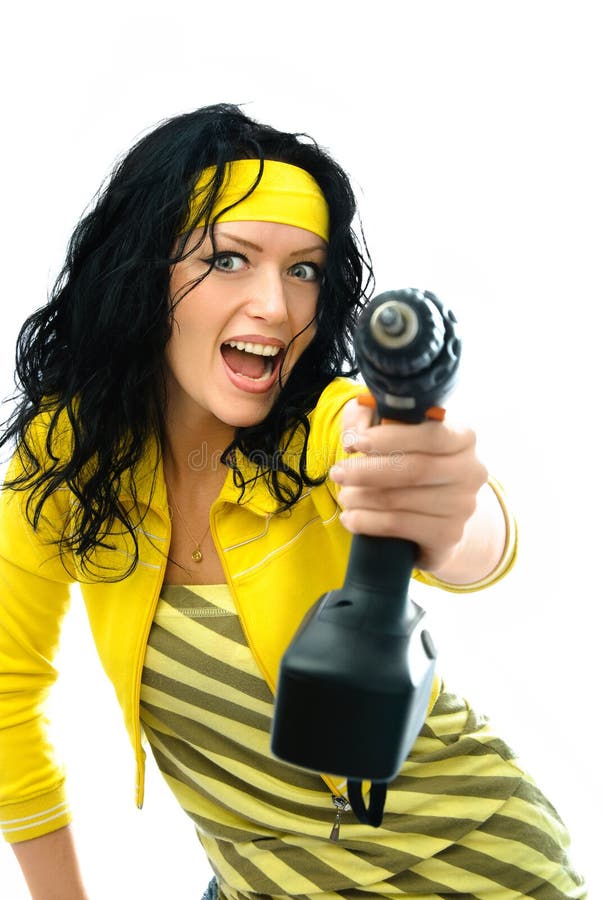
(333, 398)
(45, 442)
(50, 430)
(324, 444)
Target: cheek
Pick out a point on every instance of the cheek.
(191, 319)
(301, 343)
(309, 334)
(302, 317)
(310, 325)
(182, 342)
(172, 354)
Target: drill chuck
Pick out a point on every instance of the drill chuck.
(408, 351)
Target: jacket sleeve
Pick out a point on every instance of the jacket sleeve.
(506, 562)
(34, 596)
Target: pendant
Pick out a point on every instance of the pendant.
(197, 555)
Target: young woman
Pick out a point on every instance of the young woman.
(191, 452)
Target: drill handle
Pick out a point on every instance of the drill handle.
(378, 576)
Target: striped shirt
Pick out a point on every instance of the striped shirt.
(462, 819)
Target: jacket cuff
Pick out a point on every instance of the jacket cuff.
(35, 817)
(506, 562)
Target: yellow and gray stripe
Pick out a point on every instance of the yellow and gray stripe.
(462, 819)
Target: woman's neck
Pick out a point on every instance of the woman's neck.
(193, 444)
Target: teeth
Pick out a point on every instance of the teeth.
(257, 349)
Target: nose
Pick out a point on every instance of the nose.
(267, 298)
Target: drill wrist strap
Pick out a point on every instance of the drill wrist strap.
(373, 813)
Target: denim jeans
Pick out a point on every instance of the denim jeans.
(211, 892)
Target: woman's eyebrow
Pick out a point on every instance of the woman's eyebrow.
(239, 240)
(245, 243)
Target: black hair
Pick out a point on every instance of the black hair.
(95, 351)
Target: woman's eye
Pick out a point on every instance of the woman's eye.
(229, 262)
(305, 271)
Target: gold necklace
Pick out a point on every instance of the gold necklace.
(197, 553)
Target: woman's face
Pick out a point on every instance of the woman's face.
(231, 339)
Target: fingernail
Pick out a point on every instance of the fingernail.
(337, 473)
(355, 443)
(349, 439)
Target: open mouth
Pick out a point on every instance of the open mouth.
(257, 362)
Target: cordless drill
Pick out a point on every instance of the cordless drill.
(356, 679)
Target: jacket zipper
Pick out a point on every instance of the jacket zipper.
(342, 805)
(140, 754)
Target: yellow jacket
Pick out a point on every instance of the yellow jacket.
(276, 566)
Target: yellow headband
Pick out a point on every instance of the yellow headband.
(286, 194)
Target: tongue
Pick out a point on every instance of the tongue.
(248, 364)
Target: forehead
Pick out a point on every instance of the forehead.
(263, 236)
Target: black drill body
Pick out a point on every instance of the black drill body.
(355, 681)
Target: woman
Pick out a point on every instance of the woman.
(180, 455)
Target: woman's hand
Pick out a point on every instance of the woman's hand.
(419, 482)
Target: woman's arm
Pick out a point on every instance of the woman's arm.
(49, 864)
(486, 546)
(34, 597)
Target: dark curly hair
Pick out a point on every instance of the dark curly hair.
(95, 352)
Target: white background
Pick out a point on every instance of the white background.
(471, 132)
